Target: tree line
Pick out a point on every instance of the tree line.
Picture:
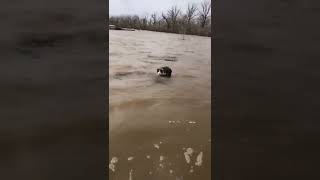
(196, 20)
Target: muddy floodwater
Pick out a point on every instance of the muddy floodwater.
(160, 128)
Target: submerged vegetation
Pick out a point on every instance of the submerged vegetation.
(196, 20)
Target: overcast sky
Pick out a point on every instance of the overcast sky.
(145, 7)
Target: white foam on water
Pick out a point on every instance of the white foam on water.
(130, 174)
(189, 151)
(112, 164)
(187, 157)
(188, 154)
(112, 167)
(161, 158)
(191, 169)
(199, 159)
(156, 146)
(114, 160)
(178, 121)
(130, 158)
(161, 165)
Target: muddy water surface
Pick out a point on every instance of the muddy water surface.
(159, 127)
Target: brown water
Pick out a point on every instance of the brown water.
(157, 123)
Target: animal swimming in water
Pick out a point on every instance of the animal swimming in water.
(164, 71)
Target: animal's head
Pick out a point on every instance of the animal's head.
(160, 71)
(164, 71)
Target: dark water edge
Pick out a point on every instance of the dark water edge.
(53, 85)
(266, 96)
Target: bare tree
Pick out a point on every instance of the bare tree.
(182, 25)
(136, 21)
(154, 18)
(144, 22)
(204, 12)
(154, 21)
(191, 13)
(167, 20)
(173, 14)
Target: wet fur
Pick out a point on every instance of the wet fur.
(164, 71)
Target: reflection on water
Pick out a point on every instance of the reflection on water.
(159, 127)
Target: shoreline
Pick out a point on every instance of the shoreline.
(163, 32)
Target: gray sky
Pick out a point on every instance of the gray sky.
(145, 7)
